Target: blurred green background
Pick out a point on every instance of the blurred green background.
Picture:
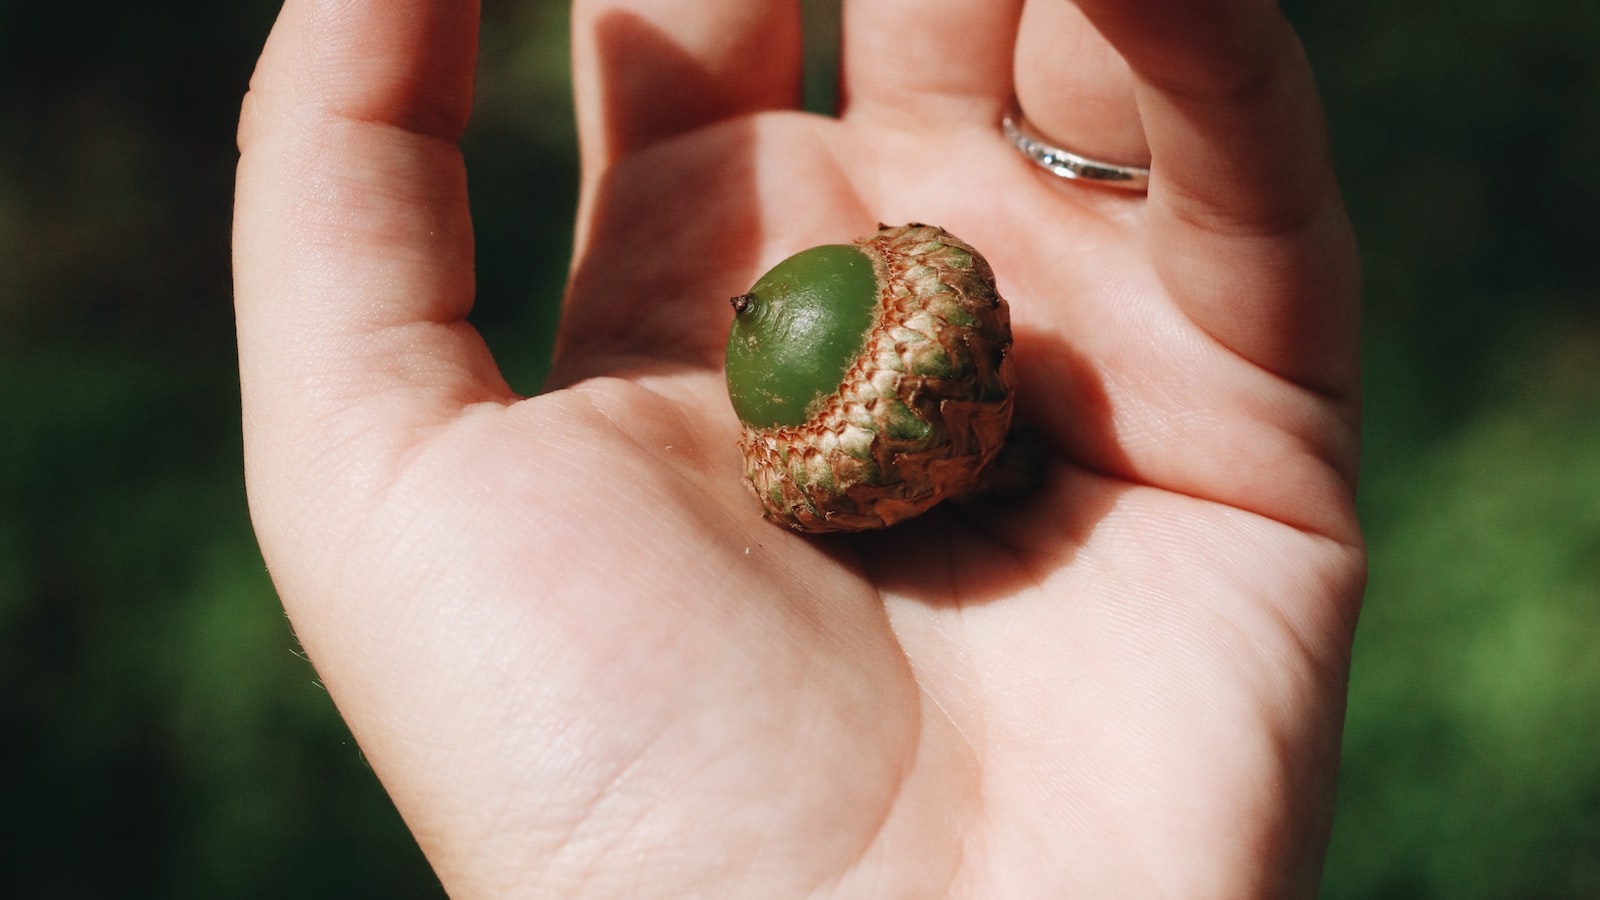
(160, 736)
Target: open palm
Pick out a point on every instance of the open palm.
(578, 658)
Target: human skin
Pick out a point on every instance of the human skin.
(581, 662)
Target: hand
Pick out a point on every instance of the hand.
(576, 656)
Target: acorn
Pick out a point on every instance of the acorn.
(872, 380)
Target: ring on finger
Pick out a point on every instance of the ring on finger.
(1065, 164)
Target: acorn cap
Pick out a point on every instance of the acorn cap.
(872, 379)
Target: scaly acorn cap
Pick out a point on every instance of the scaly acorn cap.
(872, 379)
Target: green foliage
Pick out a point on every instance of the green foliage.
(1464, 137)
(163, 739)
(162, 736)
(1470, 763)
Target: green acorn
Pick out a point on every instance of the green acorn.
(873, 379)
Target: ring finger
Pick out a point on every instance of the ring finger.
(1074, 89)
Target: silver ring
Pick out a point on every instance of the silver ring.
(1069, 165)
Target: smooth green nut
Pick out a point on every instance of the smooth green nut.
(796, 332)
(872, 380)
